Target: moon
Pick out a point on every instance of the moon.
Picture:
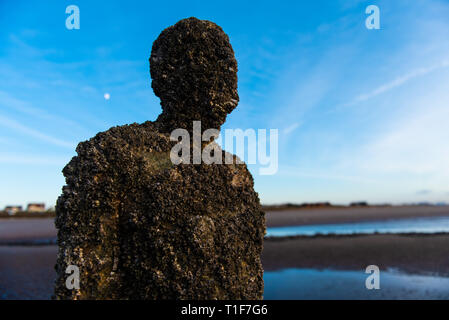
(107, 96)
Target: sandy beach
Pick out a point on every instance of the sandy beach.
(26, 269)
(27, 272)
(26, 230)
(413, 253)
(418, 254)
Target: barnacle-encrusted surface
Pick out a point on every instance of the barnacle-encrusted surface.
(194, 73)
(140, 227)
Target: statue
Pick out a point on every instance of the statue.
(140, 227)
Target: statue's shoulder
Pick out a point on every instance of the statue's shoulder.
(118, 144)
(133, 136)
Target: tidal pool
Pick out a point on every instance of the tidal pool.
(292, 284)
(414, 225)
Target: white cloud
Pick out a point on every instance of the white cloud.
(14, 125)
(9, 101)
(27, 159)
(419, 144)
(399, 81)
(291, 128)
(411, 152)
(325, 174)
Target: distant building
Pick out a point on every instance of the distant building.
(36, 207)
(12, 210)
(359, 204)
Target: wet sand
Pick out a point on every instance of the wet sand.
(27, 272)
(414, 253)
(26, 229)
(297, 217)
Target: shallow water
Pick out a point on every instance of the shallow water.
(414, 225)
(331, 284)
(27, 273)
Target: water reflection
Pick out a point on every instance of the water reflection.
(332, 284)
(418, 225)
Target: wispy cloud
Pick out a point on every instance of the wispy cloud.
(11, 102)
(423, 192)
(410, 153)
(29, 159)
(293, 171)
(14, 125)
(291, 128)
(30, 50)
(399, 81)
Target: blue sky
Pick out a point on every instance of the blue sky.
(362, 114)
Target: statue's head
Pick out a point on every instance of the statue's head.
(194, 73)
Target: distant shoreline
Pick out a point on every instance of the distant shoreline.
(266, 208)
(40, 229)
(27, 215)
(311, 216)
(328, 205)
